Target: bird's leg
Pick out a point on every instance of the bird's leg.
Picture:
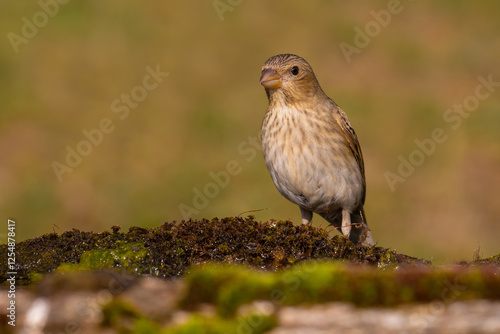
(346, 223)
(306, 216)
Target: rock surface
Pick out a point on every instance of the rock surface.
(474, 317)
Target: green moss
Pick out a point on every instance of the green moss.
(388, 258)
(119, 315)
(326, 281)
(35, 277)
(144, 326)
(227, 286)
(128, 256)
(253, 323)
(249, 287)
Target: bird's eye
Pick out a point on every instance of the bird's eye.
(295, 70)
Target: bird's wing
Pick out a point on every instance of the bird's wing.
(352, 139)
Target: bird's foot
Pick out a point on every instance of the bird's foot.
(306, 216)
(346, 223)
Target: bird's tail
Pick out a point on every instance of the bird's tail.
(359, 230)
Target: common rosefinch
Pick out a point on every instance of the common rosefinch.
(311, 150)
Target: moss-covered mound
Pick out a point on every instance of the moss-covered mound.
(167, 251)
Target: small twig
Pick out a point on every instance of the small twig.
(54, 230)
(252, 211)
(477, 253)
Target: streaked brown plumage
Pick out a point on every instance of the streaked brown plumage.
(311, 150)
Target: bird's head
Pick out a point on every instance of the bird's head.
(290, 77)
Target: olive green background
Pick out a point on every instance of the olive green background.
(204, 118)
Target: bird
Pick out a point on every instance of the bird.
(311, 150)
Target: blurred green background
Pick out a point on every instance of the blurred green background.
(63, 76)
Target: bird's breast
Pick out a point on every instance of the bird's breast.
(309, 160)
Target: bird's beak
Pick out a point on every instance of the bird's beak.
(270, 79)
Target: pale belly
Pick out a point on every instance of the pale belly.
(317, 176)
